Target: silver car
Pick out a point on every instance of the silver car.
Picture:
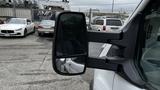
(46, 27)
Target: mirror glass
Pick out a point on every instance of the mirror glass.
(71, 47)
(71, 65)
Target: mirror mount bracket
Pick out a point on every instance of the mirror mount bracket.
(104, 37)
(106, 63)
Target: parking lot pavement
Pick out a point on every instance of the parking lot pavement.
(94, 51)
(25, 64)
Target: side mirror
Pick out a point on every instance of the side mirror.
(28, 23)
(70, 45)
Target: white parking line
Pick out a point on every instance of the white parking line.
(105, 50)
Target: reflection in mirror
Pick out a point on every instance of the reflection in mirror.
(72, 65)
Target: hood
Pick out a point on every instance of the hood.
(11, 26)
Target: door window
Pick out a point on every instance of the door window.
(113, 22)
(150, 60)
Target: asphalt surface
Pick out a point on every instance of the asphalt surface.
(25, 64)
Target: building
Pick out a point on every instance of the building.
(53, 5)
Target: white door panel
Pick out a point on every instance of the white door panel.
(109, 80)
(103, 79)
(122, 84)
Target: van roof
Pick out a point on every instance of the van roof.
(20, 18)
(109, 18)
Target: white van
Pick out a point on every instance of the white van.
(107, 24)
(130, 60)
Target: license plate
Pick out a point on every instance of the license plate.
(7, 35)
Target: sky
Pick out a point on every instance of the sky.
(103, 5)
(101, 1)
(120, 5)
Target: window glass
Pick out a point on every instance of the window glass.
(99, 22)
(47, 22)
(112, 22)
(16, 21)
(150, 60)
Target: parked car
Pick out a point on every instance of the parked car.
(17, 27)
(46, 27)
(107, 24)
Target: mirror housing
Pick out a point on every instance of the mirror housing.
(70, 45)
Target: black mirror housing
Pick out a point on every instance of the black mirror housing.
(70, 45)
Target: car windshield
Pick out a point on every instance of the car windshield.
(47, 22)
(112, 22)
(99, 22)
(16, 21)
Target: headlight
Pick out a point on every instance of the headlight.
(19, 29)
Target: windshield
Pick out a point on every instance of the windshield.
(47, 22)
(99, 22)
(112, 22)
(16, 21)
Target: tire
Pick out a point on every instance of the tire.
(3, 5)
(7, 4)
(91, 85)
(25, 33)
(34, 29)
(40, 34)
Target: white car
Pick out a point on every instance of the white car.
(107, 24)
(17, 27)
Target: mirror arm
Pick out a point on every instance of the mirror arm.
(114, 60)
(106, 63)
(104, 37)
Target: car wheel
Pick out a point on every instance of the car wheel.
(40, 34)
(34, 29)
(3, 5)
(91, 85)
(8, 5)
(25, 32)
